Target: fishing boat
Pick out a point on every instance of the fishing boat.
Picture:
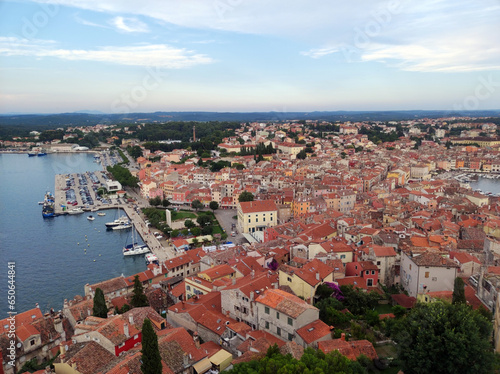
(31, 154)
(101, 214)
(40, 154)
(48, 205)
(75, 211)
(91, 218)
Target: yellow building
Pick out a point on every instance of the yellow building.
(300, 207)
(257, 215)
(305, 280)
(197, 286)
(217, 272)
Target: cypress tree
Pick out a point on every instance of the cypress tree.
(139, 298)
(151, 359)
(99, 309)
(458, 292)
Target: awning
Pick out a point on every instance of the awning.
(220, 357)
(202, 366)
(250, 238)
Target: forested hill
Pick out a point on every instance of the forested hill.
(48, 121)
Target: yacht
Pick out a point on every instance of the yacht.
(76, 211)
(134, 248)
(101, 214)
(123, 220)
(123, 226)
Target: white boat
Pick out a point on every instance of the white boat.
(75, 211)
(91, 218)
(123, 220)
(101, 214)
(123, 226)
(134, 248)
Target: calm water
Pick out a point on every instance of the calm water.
(486, 185)
(51, 261)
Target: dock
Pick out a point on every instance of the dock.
(162, 250)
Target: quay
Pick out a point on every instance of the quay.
(158, 247)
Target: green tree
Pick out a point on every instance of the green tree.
(204, 220)
(196, 231)
(155, 201)
(151, 359)
(214, 205)
(174, 233)
(99, 309)
(302, 155)
(196, 205)
(245, 196)
(165, 203)
(459, 292)
(189, 224)
(139, 299)
(445, 338)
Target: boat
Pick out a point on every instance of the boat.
(75, 211)
(117, 222)
(40, 203)
(48, 205)
(101, 214)
(40, 154)
(134, 248)
(31, 154)
(123, 226)
(91, 218)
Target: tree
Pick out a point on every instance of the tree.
(100, 309)
(165, 203)
(174, 233)
(454, 333)
(196, 205)
(155, 201)
(204, 220)
(195, 242)
(196, 231)
(139, 299)
(214, 205)
(459, 292)
(245, 196)
(151, 359)
(189, 224)
(302, 155)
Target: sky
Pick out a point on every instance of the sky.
(122, 56)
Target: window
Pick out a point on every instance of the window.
(367, 272)
(378, 263)
(427, 274)
(278, 331)
(264, 219)
(32, 342)
(249, 220)
(266, 310)
(290, 336)
(256, 219)
(188, 288)
(267, 325)
(290, 321)
(342, 257)
(277, 315)
(369, 282)
(373, 272)
(434, 279)
(289, 279)
(410, 266)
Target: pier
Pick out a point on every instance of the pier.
(160, 248)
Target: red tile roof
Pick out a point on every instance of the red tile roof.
(284, 302)
(258, 206)
(351, 349)
(314, 331)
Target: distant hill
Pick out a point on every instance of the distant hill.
(89, 118)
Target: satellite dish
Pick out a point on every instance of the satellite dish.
(19, 345)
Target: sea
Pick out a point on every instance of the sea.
(53, 257)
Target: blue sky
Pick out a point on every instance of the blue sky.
(120, 56)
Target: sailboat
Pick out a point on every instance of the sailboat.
(134, 248)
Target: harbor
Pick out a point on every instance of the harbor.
(77, 193)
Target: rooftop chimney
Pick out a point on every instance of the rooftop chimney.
(342, 336)
(317, 275)
(125, 330)
(131, 319)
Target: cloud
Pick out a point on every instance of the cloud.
(319, 52)
(88, 23)
(405, 34)
(160, 55)
(129, 24)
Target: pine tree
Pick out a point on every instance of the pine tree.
(100, 309)
(139, 299)
(151, 359)
(458, 292)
